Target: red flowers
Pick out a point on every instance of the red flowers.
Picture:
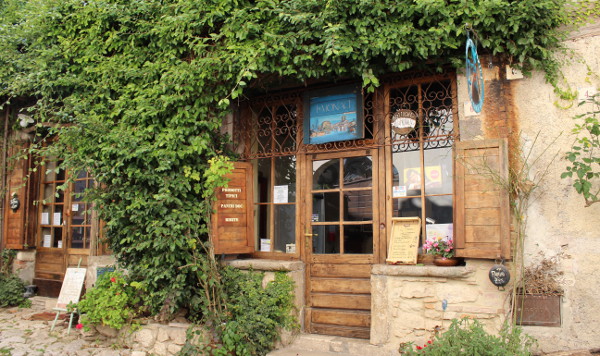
(419, 347)
(79, 326)
(113, 279)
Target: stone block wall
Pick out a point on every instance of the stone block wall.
(407, 300)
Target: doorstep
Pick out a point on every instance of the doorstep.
(324, 345)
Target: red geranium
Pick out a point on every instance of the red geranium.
(113, 279)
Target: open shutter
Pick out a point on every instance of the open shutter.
(15, 231)
(482, 204)
(232, 222)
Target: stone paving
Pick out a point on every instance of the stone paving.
(20, 336)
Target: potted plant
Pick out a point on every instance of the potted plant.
(442, 250)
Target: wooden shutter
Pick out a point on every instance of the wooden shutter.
(15, 231)
(482, 218)
(233, 221)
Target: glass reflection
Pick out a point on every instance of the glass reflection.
(326, 206)
(326, 239)
(358, 205)
(326, 174)
(358, 172)
(438, 171)
(285, 225)
(285, 174)
(358, 239)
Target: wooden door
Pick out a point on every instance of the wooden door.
(64, 229)
(341, 240)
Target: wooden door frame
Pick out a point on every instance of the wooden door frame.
(378, 184)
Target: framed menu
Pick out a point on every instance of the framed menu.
(403, 247)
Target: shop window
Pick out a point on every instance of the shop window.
(65, 219)
(422, 123)
(273, 143)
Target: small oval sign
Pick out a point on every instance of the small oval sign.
(499, 275)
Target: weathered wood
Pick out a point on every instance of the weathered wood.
(482, 215)
(339, 330)
(341, 317)
(341, 285)
(341, 301)
(232, 225)
(341, 270)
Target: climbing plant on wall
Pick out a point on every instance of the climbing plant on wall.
(139, 89)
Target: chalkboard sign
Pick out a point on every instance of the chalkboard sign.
(71, 287)
(403, 247)
(499, 275)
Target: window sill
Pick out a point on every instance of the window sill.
(423, 271)
(266, 265)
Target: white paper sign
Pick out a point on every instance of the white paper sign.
(56, 220)
(280, 194)
(47, 239)
(399, 191)
(265, 245)
(59, 244)
(45, 218)
(75, 207)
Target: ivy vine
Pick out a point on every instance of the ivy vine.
(140, 87)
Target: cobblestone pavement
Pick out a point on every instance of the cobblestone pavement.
(20, 336)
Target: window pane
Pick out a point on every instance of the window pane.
(326, 174)
(439, 209)
(407, 207)
(358, 238)
(438, 171)
(86, 240)
(326, 207)
(358, 205)
(49, 193)
(57, 242)
(285, 226)
(406, 174)
(326, 239)
(262, 227)
(263, 183)
(358, 172)
(77, 236)
(285, 174)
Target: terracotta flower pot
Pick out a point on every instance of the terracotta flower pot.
(443, 261)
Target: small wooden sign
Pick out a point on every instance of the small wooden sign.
(403, 247)
(71, 287)
(232, 220)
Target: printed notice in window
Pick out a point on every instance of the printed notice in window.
(280, 194)
(404, 241)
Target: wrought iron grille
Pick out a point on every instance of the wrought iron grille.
(431, 106)
(273, 125)
(270, 127)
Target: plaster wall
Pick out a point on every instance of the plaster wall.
(559, 226)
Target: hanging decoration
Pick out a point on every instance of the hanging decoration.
(474, 73)
(499, 274)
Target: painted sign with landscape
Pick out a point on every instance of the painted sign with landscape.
(334, 118)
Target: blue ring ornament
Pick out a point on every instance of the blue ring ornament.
(474, 76)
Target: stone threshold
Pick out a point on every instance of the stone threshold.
(423, 271)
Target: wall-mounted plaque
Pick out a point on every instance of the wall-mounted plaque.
(232, 229)
(403, 247)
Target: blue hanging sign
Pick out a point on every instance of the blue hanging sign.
(474, 76)
(333, 115)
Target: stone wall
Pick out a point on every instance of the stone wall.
(24, 265)
(407, 300)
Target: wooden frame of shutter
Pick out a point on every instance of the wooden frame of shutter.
(482, 219)
(16, 232)
(234, 237)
